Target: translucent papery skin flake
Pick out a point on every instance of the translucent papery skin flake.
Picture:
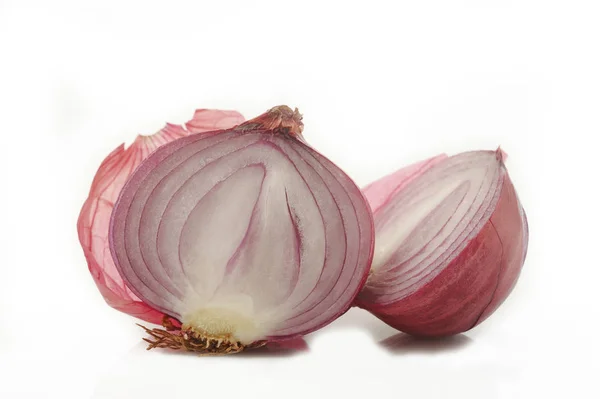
(94, 218)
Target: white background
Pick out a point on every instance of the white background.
(381, 84)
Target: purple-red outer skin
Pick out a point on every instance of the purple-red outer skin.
(473, 285)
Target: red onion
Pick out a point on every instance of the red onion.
(451, 239)
(94, 217)
(245, 236)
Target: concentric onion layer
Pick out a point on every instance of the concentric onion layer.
(449, 246)
(252, 233)
(94, 218)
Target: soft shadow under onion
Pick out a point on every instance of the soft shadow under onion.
(402, 343)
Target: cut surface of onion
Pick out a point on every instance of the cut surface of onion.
(244, 235)
(451, 238)
(93, 221)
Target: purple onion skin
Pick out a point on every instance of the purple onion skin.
(473, 285)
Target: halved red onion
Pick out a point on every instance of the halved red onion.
(244, 235)
(92, 225)
(450, 242)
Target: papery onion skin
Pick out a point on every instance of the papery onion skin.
(475, 283)
(188, 175)
(93, 221)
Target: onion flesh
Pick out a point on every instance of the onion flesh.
(451, 239)
(92, 225)
(244, 235)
